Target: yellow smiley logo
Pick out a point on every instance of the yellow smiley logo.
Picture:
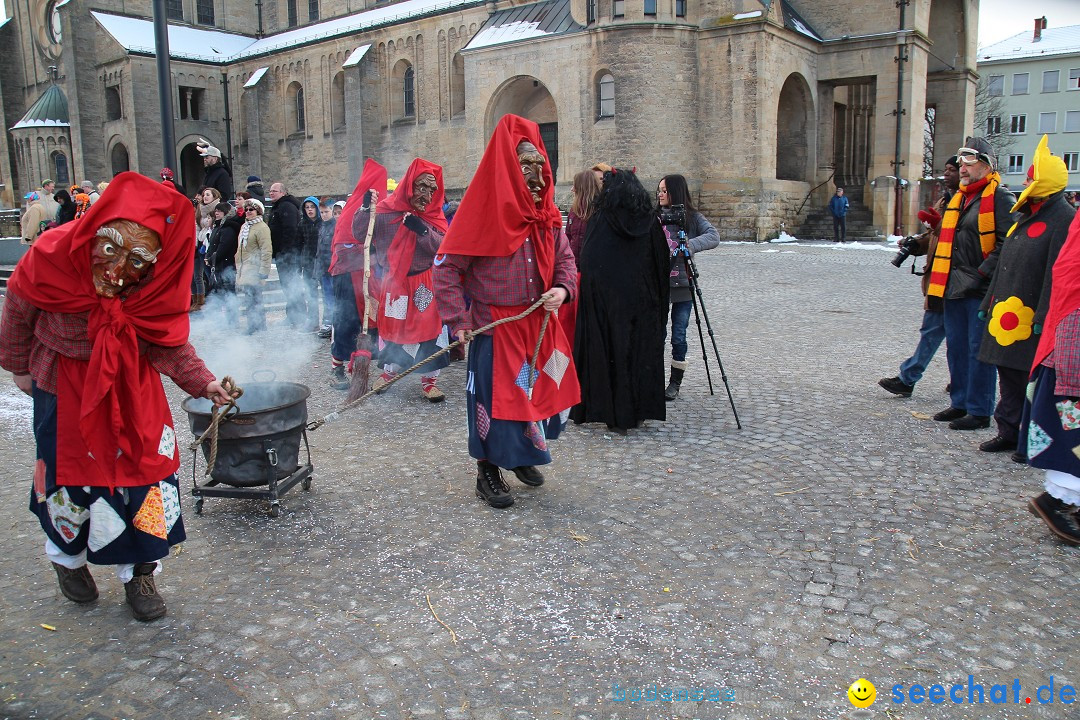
(862, 693)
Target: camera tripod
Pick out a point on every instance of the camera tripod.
(698, 301)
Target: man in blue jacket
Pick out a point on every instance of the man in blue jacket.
(838, 206)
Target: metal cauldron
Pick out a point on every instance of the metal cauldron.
(258, 443)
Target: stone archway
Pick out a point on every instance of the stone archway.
(795, 130)
(526, 96)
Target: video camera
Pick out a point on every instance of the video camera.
(673, 215)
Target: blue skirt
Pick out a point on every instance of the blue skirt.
(114, 527)
(1050, 425)
(506, 443)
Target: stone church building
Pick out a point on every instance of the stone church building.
(764, 105)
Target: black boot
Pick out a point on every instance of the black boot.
(77, 585)
(490, 486)
(338, 379)
(678, 369)
(529, 475)
(142, 594)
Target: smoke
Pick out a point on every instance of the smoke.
(219, 334)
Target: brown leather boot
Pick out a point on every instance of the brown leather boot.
(142, 594)
(77, 585)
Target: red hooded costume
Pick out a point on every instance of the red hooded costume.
(496, 218)
(407, 313)
(345, 255)
(113, 419)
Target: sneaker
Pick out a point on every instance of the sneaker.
(431, 391)
(998, 444)
(142, 595)
(970, 422)
(339, 380)
(1060, 517)
(490, 486)
(950, 414)
(77, 585)
(896, 386)
(382, 381)
(529, 475)
(325, 331)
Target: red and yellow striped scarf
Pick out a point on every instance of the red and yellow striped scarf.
(939, 270)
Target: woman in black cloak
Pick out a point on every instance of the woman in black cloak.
(622, 308)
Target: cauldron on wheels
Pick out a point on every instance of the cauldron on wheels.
(258, 444)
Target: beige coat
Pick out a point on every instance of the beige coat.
(33, 220)
(253, 255)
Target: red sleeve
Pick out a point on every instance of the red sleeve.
(565, 266)
(449, 272)
(183, 365)
(16, 334)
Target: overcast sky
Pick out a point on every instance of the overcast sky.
(998, 19)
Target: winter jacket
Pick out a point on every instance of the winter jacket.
(284, 225)
(256, 190)
(969, 271)
(324, 251)
(309, 236)
(222, 252)
(218, 177)
(253, 255)
(34, 221)
(701, 235)
(839, 205)
(1022, 281)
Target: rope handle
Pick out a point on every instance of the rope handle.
(217, 416)
(469, 335)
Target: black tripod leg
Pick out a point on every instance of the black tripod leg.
(697, 318)
(695, 293)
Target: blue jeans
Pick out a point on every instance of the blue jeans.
(680, 319)
(931, 334)
(973, 381)
(327, 283)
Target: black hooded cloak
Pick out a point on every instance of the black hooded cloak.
(622, 309)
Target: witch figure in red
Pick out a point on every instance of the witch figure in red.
(95, 313)
(409, 227)
(505, 251)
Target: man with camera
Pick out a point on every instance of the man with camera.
(932, 331)
(973, 229)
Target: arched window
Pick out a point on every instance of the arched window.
(606, 96)
(794, 130)
(119, 159)
(113, 109)
(295, 122)
(60, 163)
(408, 93)
(457, 86)
(337, 101)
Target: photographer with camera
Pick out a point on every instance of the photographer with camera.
(932, 331)
(678, 214)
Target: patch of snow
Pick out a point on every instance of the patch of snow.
(746, 15)
(507, 33)
(785, 238)
(256, 77)
(356, 56)
(39, 123)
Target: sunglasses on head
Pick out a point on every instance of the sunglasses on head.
(969, 156)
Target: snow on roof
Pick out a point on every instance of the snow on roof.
(188, 43)
(356, 56)
(524, 22)
(794, 21)
(185, 43)
(1055, 41)
(255, 77)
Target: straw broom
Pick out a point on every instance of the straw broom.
(360, 361)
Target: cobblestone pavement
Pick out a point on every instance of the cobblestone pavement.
(840, 534)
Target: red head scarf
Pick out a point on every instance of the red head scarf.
(373, 178)
(498, 212)
(119, 399)
(401, 248)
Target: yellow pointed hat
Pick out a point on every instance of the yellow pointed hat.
(1050, 176)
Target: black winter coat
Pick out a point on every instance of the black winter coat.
(1023, 273)
(969, 272)
(219, 178)
(309, 238)
(221, 253)
(284, 226)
